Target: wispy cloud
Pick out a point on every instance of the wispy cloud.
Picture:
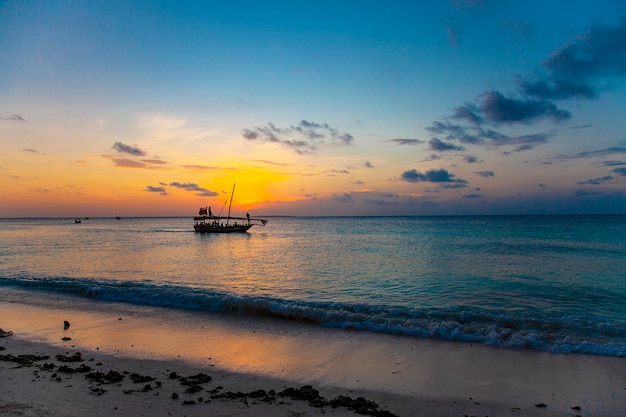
(598, 153)
(160, 190)
(305, 137)
(596, 181)
(192, 187)
(14, 118)
(138, 163)
(411, 142)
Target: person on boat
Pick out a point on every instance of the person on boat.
(248, 216)
(210, 214)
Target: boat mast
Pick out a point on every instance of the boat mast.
(230, 204)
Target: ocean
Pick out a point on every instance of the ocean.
(548, 283)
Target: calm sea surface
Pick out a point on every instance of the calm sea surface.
(549, 283)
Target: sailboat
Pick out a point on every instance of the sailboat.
(206, 222)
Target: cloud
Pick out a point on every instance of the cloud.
(133, 163)
(582, 67)
(433, 175)
(452, 36)
(500, 109)
(343, 198)
(30, 150)
(485, 174)
(613, 163)
(494, 108)
(410, 142)
(596, 181)
(368, 164)
(14, 118)
(305, 137)
(132, 150)
(615, 150)
(160, 190)
(470, 159)
(477, 135)
(204, 168)
(440, 146)
(189, 186)
(473, 196)
(128, 163)
(620, 171)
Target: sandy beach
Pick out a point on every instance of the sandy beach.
(122, 360)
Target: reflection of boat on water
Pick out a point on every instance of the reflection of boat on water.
(206, 222)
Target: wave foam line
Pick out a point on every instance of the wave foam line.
(558, 335)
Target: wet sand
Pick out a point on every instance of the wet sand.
(259, 366)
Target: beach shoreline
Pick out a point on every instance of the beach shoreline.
(403, 376)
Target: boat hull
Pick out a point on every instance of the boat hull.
(221, 229)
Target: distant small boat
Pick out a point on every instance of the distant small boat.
(206, 222)
(117, 217)
(77, 221)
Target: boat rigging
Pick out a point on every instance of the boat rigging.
(206, 222)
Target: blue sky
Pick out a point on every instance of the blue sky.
(434, 107)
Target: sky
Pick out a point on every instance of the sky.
(460, 107)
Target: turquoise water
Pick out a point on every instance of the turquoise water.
(552, 283)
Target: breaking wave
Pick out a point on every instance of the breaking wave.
(557, 334)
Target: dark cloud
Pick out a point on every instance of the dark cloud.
(470, 159)
(30, 150)
(433, 175)
(431, 157)
(468, 112)
(14, 118)
(613, 163)
(620, 171)
(485, 174)
(478, 135)
(305, 137)
(132, 150)
(343, 198)
(160, 190)
(500, 109)
(368, 164)
(406, 141)
(440, 146)
(582, 67)
(200, 191)
(596, 181)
